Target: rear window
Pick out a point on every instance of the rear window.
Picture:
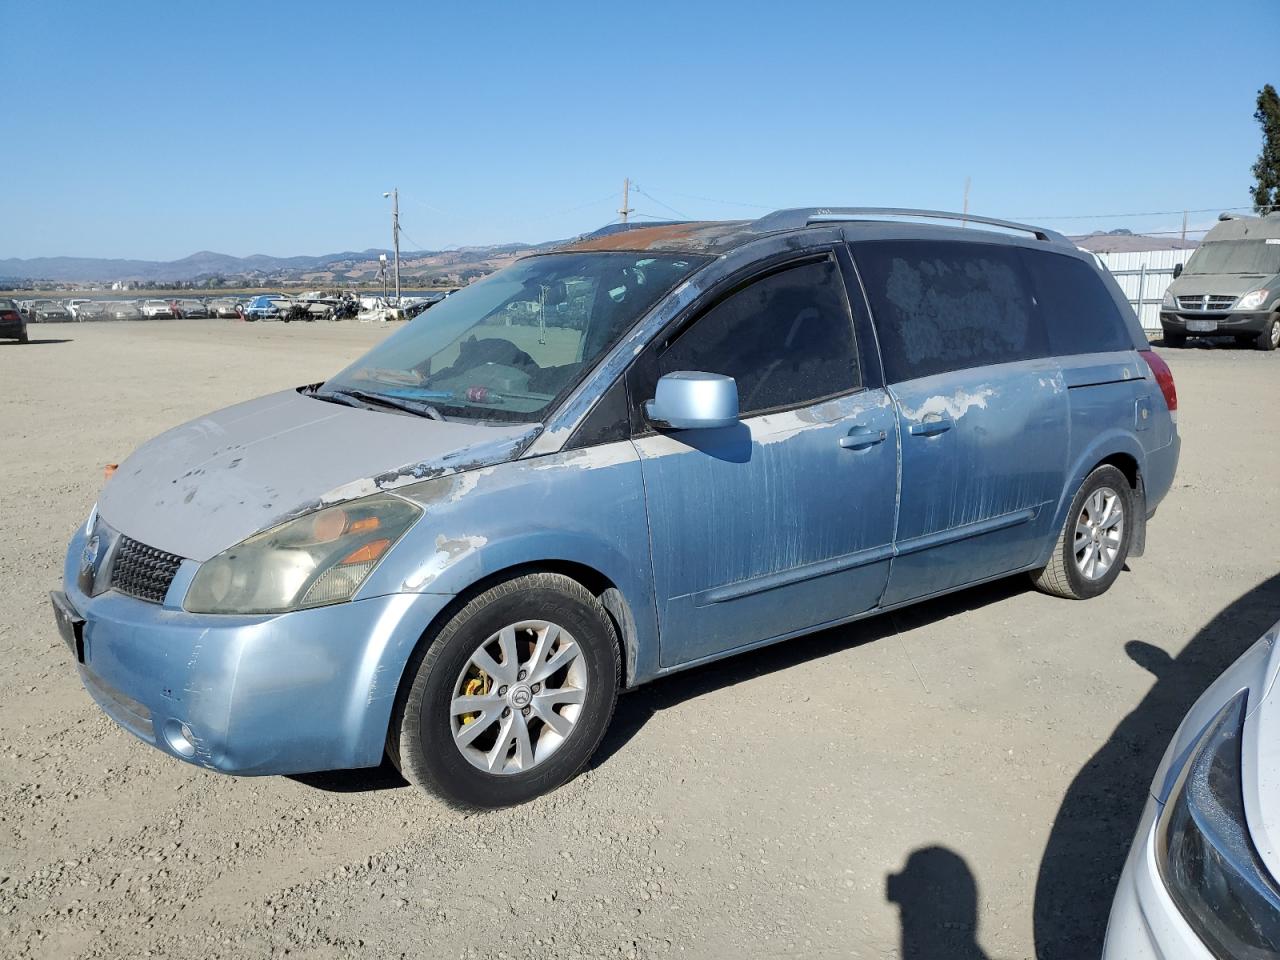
(1078, 309)
(942, 306)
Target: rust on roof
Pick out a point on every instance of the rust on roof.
(694, 236)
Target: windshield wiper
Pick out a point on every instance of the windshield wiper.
(416, 407)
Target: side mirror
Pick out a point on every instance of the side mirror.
(690, 400)
(1177, 270)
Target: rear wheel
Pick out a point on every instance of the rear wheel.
(511, 698)
(1095, 539)
(1269, 338)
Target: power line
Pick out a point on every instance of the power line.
(1122, 216)
(667, 206)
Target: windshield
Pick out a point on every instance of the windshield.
(507, 346)
(1261, 257)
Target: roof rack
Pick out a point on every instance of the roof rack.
(797, 217)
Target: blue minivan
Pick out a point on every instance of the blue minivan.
(638, 452)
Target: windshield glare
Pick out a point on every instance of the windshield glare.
(506, 347)
(1260, 257)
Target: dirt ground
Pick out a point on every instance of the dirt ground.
(958, 780)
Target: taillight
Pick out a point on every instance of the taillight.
(10, 315)
(1164, 376)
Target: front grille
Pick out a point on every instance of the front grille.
(141, 571)
(1209, 302)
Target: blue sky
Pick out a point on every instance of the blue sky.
(153, 130)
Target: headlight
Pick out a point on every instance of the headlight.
(1168, 303)
(317, 559)
(1204, 853)
(1252, 301)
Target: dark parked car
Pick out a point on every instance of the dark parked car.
(13, 326)
(461, 548)
(194, 309)
(50, 311)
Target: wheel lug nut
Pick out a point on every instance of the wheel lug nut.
(537, 687)
(525, 710)
(506, 711)
(502, 691)
(522, 675)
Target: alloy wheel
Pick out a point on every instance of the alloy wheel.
(519, 697)
(1099, 533)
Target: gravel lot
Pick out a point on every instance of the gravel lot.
(958, 780)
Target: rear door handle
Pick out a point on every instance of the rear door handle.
(927, 428)
(859, 438)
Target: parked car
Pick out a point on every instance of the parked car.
(194, 309)
(1230, 287)
(157, 309)
(223, 307)
(73, 306)
(49, 311)
(90, 310)
(13, 325)
(264, 307)
(123, 310)
(1202, 879)
(459, 549)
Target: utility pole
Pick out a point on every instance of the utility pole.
(626, 193)
(395, 233)
(1184, 225)
(963, 222)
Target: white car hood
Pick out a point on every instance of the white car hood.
(205, 486)
(1262, 761)
(1256, 671)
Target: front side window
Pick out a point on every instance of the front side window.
(506, 347)
(787, 339)
(942, 306)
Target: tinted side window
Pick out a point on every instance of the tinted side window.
(787, 339)
(1078, 309)
(941, 306)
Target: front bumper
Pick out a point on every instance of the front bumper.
(281, 694)
(1145, 923)
(1228, 324)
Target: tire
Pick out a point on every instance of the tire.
(421, 739)
(1269, 338)
(1064, 575)
(1175, 339)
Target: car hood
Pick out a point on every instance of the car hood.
(1255, 671)
(1222, 284)
(205, 486)
(1262, 762)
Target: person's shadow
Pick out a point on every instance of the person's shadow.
(1094, 827)
(937, 898)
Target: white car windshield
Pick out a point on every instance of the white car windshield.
(507, 346)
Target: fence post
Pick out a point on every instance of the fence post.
(1142, 289)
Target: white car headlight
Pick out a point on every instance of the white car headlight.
(1168, 302)
(1253, 300)
(315, 560)
(1203, 849)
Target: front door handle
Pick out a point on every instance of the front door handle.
(859, 438)
(927, 428)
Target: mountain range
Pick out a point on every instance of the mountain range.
(348, 265)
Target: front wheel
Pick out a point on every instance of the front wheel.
(1269, 338)
(511, 697)
(1095, 539)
